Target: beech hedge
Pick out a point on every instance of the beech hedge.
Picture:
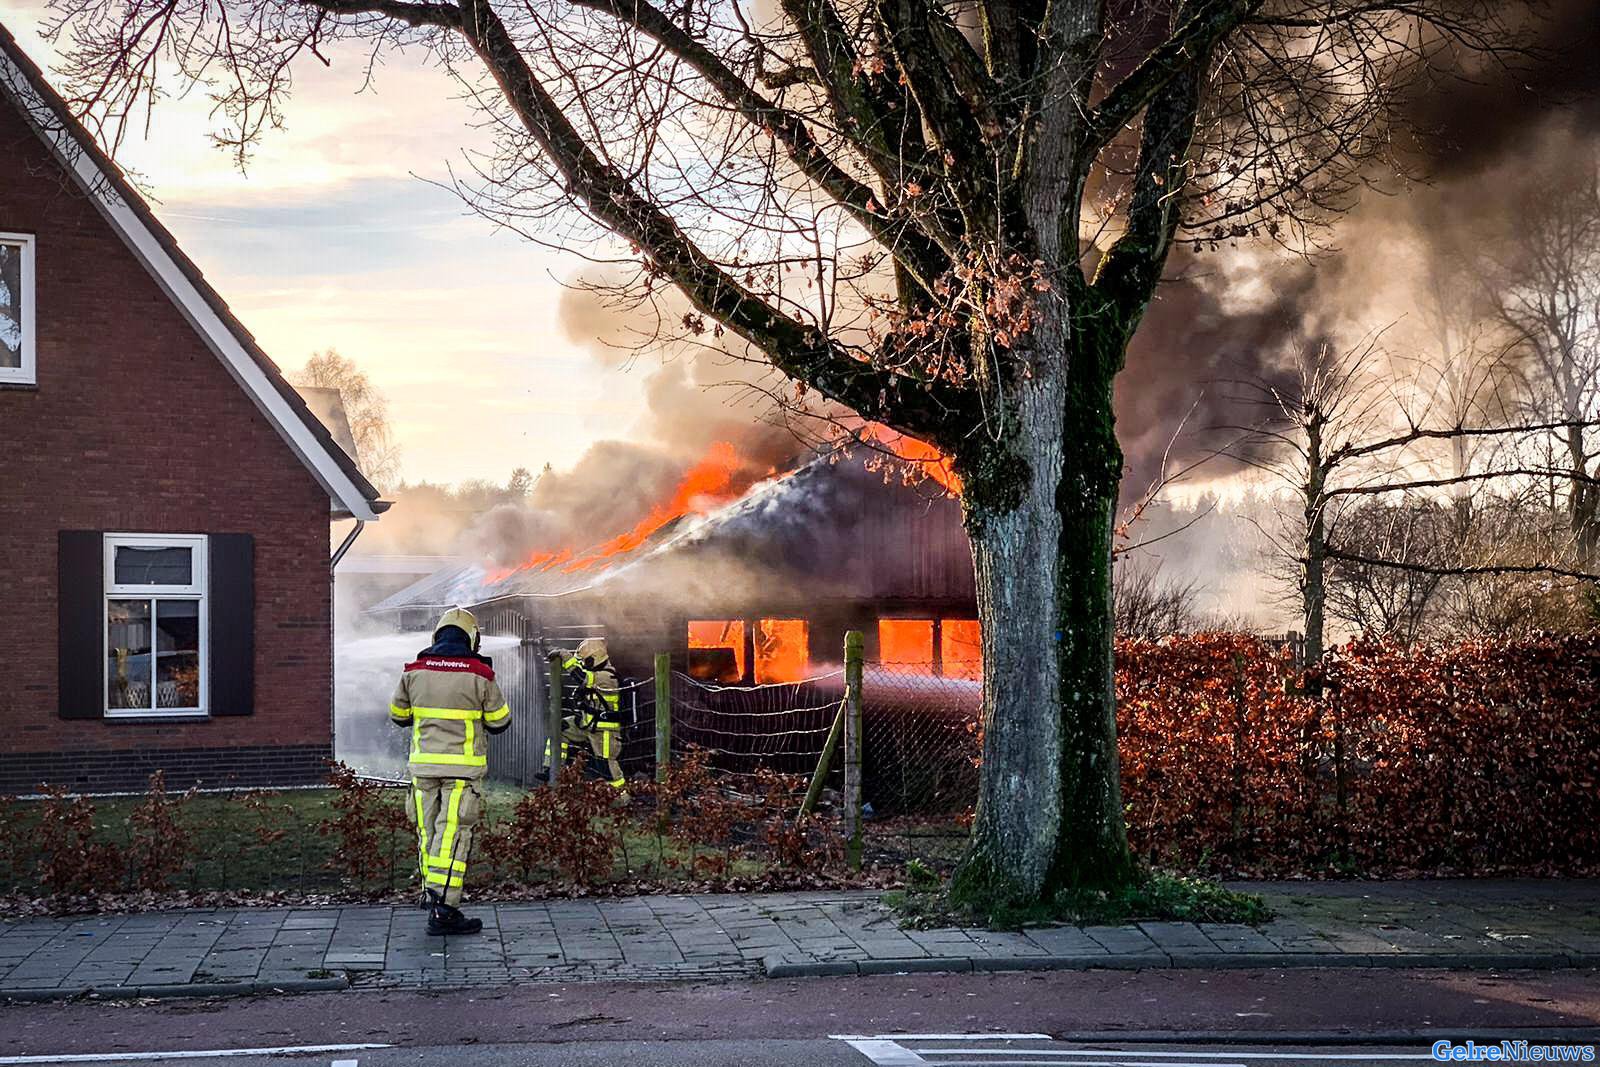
(1475, 758)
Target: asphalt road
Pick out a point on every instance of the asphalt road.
(1203, 1014)
(896, 1050)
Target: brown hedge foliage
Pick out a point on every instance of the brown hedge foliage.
(570, 830)
(1472, 758)
(159, 846)
(367, 822)
(69, 857)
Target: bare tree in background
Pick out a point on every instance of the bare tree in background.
(946, 217)
(1342, 438)
(1386, 601)
(1464, 371)
(1517, 529)
(365, 407)
(1149, 606)
(1544, 284)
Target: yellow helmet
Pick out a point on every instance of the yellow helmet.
(593, 650)
(462, 619)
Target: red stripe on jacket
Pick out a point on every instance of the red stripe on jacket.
(451, 664)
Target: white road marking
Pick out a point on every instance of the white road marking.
(912, 1050)
(344, 1063)
(883, 1053)
(1188, 1054)
(122, 1057)
(939, 1037)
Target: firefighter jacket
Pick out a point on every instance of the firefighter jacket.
(449, 698)
(599, 694)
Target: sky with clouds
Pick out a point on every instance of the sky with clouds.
(334, 237)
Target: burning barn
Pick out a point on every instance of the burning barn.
(752, 599)
(758, 590)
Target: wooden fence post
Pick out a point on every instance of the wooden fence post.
(552, 722)
(819, 777)
(854, 654)
(663, 714)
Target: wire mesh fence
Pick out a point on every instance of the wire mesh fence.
(919, 739)
(780, 727)
(920, 754)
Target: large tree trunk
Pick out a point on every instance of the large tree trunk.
(1041, 508)
(1092, 846)
(1010, 501)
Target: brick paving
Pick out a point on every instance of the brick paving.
(1493, 923)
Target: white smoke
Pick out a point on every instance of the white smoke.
(366, 670)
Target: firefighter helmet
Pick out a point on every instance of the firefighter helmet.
(593, 652)
(462, 619)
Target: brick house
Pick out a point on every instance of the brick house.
(166, 495)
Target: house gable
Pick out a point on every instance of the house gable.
(22, 85)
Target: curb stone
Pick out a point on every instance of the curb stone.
(918, 965)
(786, 967)
(178, 991)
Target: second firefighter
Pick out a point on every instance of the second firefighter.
(596, 718)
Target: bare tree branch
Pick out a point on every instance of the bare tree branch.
(1465, 570)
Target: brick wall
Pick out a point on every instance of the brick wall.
(129, 770)
(136, 426)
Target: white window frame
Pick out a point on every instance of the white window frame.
(27, 374)
(196, 589)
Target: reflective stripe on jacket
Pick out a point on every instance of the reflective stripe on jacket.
(449, 702)
(602, 682)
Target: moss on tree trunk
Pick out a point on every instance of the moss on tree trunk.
(1092, 843)
(1041, 508)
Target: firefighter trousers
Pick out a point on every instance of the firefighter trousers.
(604, 741)
(445, 811)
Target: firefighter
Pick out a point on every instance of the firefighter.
(449, 698)
(596, 720)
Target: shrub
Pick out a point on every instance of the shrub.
(159, 846)
(1476, 757)
(795, 844)
(366, 822)
(71, 860)
(569, 828)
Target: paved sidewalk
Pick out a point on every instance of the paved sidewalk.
(1541, 924)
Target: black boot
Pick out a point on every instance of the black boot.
(443, 919)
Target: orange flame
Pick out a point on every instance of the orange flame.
(720, 635)
(783, 650)
(709, 483)
(934, 463)
(909, 643)
(961, 649)
(906, 643)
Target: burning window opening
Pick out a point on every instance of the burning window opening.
(716, 650)
(961, 649)
(906, 643)
(952, 648)
(783, 650)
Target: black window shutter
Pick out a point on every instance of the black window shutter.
(80, 613)
(232, 606)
